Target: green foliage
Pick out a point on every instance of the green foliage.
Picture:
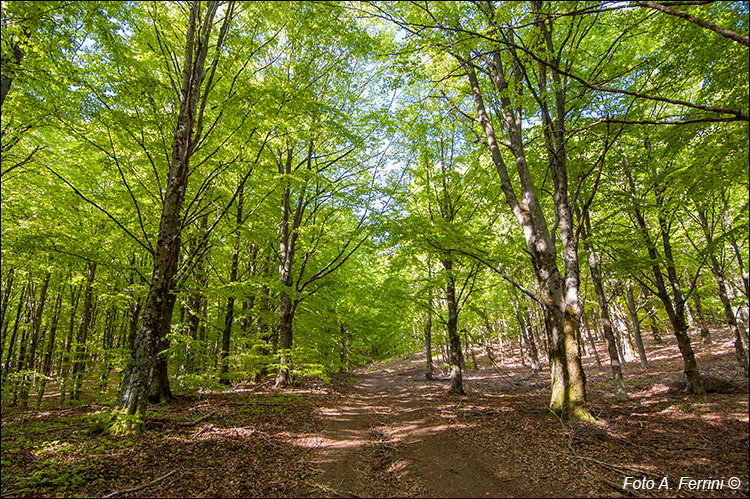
(194, 383)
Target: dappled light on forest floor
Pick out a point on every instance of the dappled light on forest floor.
(389, 433)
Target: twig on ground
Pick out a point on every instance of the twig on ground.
(196, 421)
(141, 487)
(252, 430)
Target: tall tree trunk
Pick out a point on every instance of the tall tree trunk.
(47, 362)
(559, 294)
(675, 309)
(134, 308)
(196, 301)
(428, 373)
(289, 232)
(133, 395)
(248, 304)
(455, 354)
(79, 350)
(263, 331)
(36, 326)
(526, 334)
(621, 393)
(286, 256)
(636, 326)
(229, 314)
(742, 356)
(66, 357)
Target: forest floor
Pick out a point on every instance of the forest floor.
(386, 432)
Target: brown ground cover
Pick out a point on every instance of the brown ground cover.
(386, 432)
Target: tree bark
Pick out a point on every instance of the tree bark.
(559, 294)
(621, 393)
(675, 309)
(429, 370)
(742, 357)
(133, 396)
(229, 314)
(79, 350)
(636, 326)
(455, 354)
(263, 331)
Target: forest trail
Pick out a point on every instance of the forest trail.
(395, 434)
(386, 432)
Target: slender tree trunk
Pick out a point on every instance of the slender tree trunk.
(36, 325)
(636, 326)
(286, 255)
(429, 370)
(742, 356)
(134, 308)
(526, 335)
(47, 362)
(621, 393)
(248, 305)
(501, 342)
(675, 309)
(229, 315)
(79, 350)
(66, 358)
(263, 331)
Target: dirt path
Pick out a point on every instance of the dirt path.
(389, 433)
(394, 434)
